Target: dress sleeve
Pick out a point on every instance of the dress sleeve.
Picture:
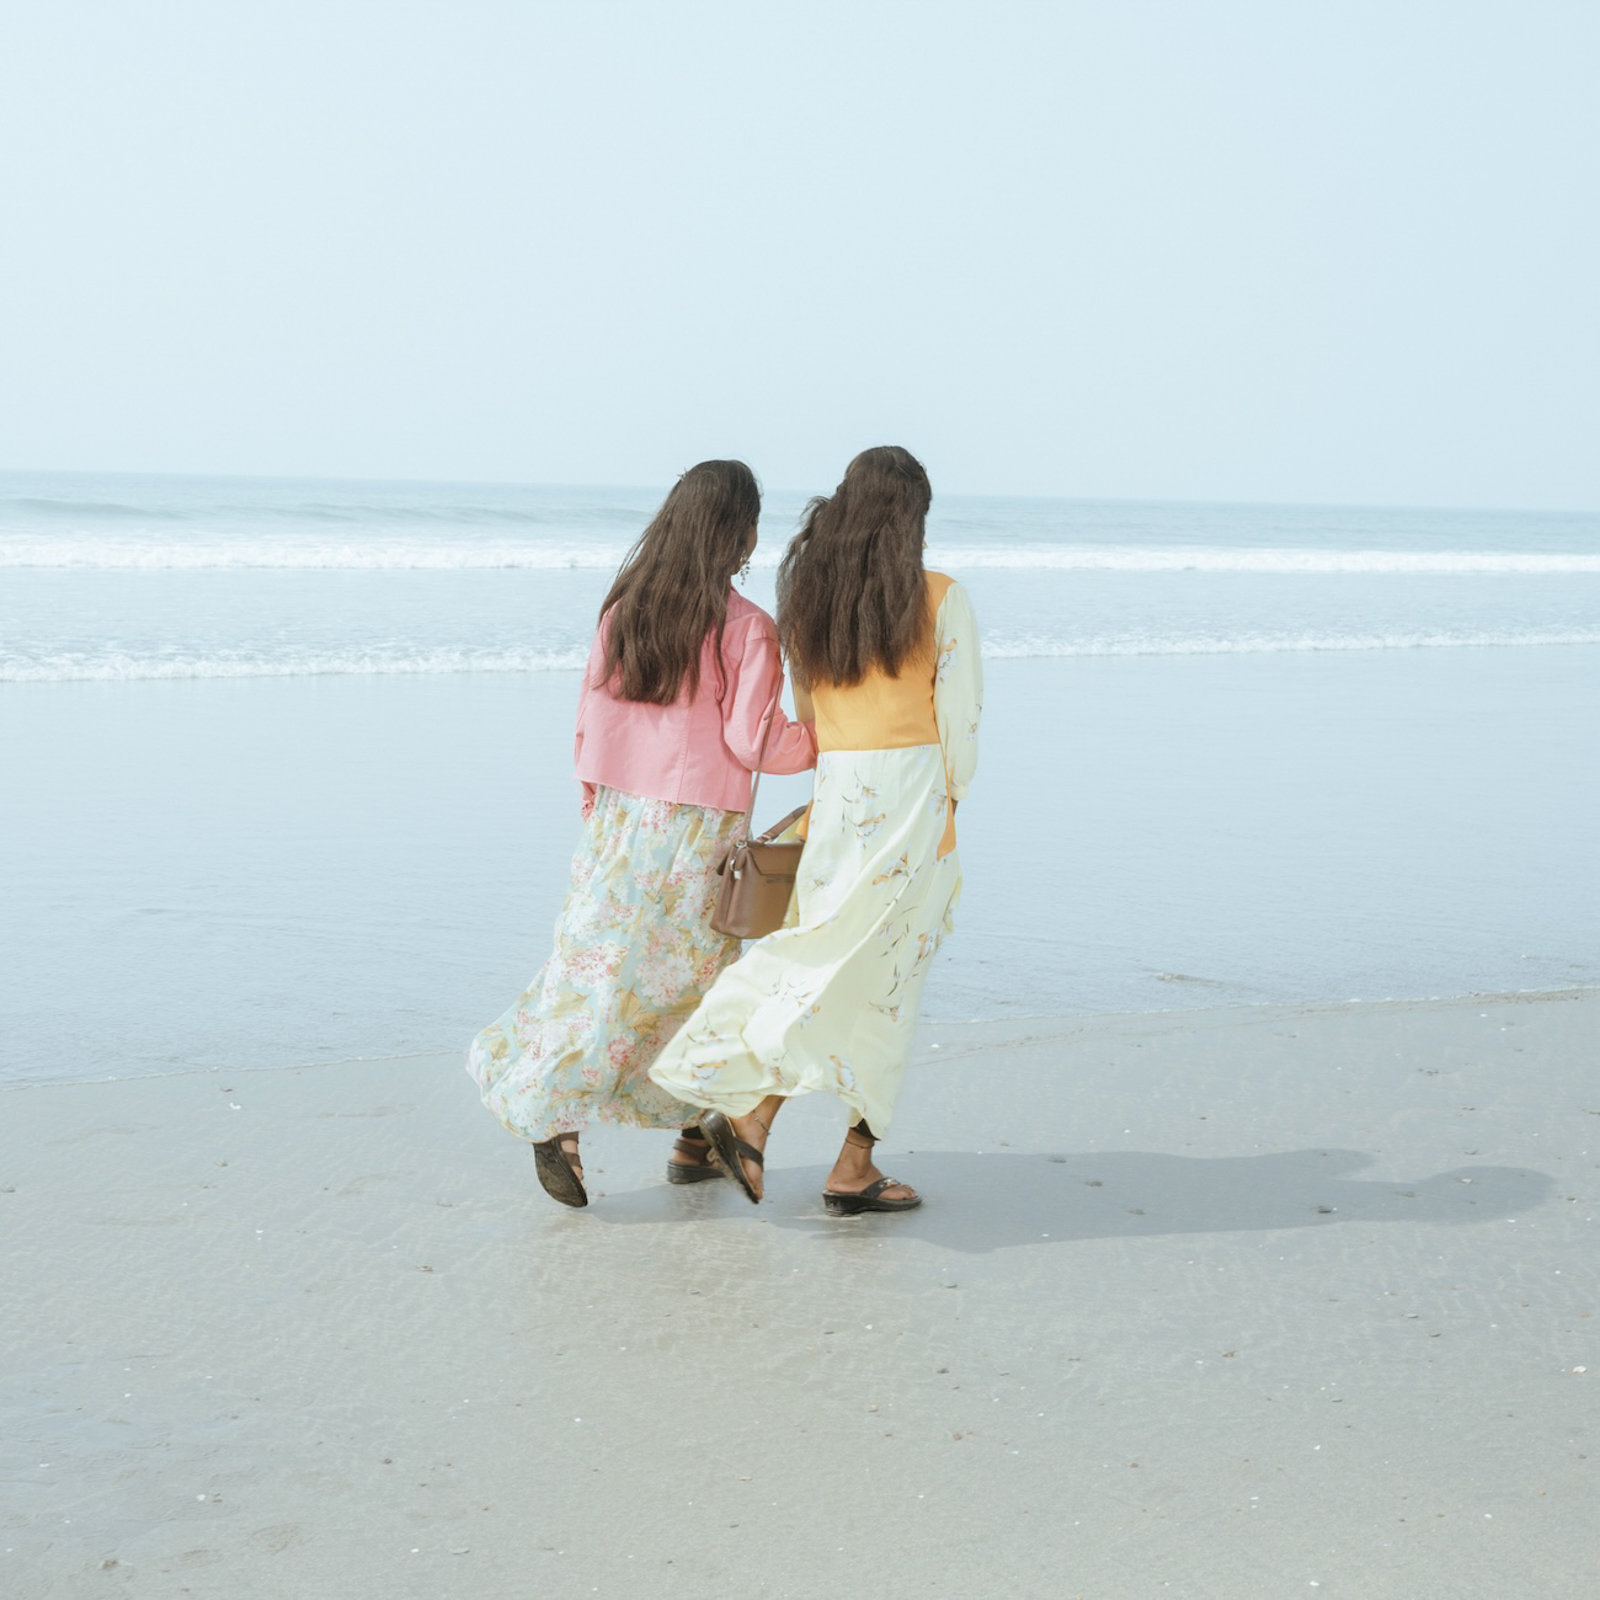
(755, 681)
(957, 687)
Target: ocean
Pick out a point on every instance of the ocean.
(142, 578)
(286, 767)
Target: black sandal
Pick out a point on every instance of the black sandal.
(730, 1152)
(692, 1142)
(558, 1171)
(870, 1198)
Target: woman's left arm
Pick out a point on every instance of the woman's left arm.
(586, 695)
(756, 669)
(957, 687)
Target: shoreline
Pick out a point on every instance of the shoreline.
(1231, 1302)
(1034, 1025)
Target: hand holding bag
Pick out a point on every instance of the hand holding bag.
(758, 874)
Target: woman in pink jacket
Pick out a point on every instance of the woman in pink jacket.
(682, 685)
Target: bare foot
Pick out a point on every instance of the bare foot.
(692, 1149)
(753, 1128)
(754, 1132)
(690, 1161)
(855, 1170)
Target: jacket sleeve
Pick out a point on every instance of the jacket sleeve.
(586, 694)
(957, 688)
(755, 681)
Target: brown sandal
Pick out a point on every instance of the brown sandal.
(692, 1142)
(558, 1171)
(730, 1152)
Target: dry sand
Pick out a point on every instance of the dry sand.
(1266, 1302)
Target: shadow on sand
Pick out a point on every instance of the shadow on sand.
(979, 1203)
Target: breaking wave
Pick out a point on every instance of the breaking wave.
(100, 553)
(122, 667)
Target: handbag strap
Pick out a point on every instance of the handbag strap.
(761, 751)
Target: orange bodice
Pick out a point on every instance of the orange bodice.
(887, 713)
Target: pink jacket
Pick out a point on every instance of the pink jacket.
(699, 751)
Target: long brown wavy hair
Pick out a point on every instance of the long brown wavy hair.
(671, 590)
(852, 595)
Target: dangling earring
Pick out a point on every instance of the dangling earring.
(744, 571)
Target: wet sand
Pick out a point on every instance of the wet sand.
(1255, 1302)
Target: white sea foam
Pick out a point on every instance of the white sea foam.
(112, 667)
(118, 667)
(1289, 562)
(379, 554)
(1035, 647)
(304, 555)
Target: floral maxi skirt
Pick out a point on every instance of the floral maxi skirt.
(634, 953)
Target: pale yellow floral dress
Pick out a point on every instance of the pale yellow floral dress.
(830, 1002)
(634, 952)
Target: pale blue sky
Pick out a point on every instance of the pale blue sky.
(1260, 251)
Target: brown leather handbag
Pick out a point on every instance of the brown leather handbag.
(757, 874)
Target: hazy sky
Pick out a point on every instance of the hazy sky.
(1315, 251)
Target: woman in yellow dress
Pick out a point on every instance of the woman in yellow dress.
(885, 655)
